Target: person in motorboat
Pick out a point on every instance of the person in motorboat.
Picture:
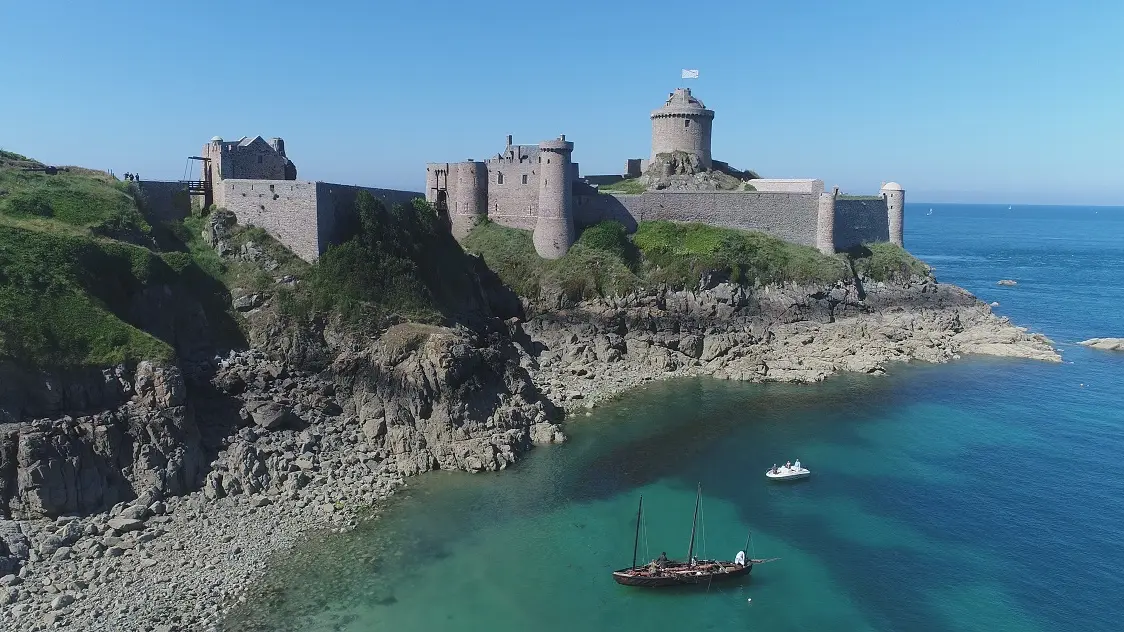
(796, 465)
(739, 559)
(774, 470)
(788, 465)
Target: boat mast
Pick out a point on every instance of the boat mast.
(694, 522)
(636, 540)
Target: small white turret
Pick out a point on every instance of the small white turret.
(894, 195)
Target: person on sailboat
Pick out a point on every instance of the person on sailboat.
(739, 559)
(661, 561)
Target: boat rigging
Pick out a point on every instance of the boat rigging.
(664, 572)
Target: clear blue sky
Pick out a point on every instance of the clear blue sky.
(980, 101)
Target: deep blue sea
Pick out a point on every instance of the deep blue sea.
(986, 494)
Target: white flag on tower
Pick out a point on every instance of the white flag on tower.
(690, 74)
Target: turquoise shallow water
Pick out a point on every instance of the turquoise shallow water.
(981, 495)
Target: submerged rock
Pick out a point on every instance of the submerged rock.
(1108, 344)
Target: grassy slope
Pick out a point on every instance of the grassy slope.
(67, 288)
(599, 263)
(629, 185)
(605, 261)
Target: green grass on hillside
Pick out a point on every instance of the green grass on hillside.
(630, 185)
(680, 253)
(884, 261)
(64, 299)
(72, 293)
(605, 260)
(597, 265)
(78, 199)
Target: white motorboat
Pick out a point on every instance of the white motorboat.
(787, 473)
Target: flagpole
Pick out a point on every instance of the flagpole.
(688, 73)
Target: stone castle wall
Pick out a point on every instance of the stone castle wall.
(513, 198)
(860, 221)
(792, 217)
(286, 209)
(789, 216)
(304, 216)
(777, 185)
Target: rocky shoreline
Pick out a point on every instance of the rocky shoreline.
(277, 453)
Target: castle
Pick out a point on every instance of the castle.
(539, 188)
(255, 180)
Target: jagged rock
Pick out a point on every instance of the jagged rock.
(134, 512)
(248, 302)
(159, 387)
(543, 433)
(271, 415)
(218, 232)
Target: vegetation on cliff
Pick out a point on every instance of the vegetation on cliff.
(602, 262)
(87, 280)
(81, 269)
(605, 260)
(398, 264)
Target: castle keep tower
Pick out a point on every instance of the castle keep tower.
(554, 230)
(683, 124)
(895, 210)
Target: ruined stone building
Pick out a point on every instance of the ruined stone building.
(539, 188)
(255, 180)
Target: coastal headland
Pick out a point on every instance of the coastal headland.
(181, 400)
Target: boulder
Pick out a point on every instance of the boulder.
(1107, 344)
(125, 525)
(271, 415)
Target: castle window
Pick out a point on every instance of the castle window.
(686, 122)
(524, 178)
(499, 178)
(259, 159)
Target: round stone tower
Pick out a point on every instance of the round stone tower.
(554, 231)
(469, 197)
(682, 125)
(825, 224)
(895, 210)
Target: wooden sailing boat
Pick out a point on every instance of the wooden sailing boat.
(672, 573)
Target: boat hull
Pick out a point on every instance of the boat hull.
(675, 577)
(787, 475)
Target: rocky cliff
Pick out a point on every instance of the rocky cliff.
(596, 349)
(184, 479)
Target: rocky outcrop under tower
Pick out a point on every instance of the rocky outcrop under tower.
(681, 171)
